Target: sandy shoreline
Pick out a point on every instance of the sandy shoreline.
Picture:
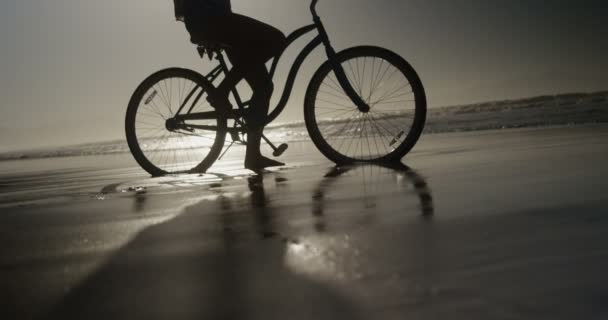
(484, 225)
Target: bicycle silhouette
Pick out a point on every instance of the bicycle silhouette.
(364, 104)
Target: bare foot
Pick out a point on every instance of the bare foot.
(261, 163)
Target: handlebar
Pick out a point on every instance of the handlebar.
(313, 7)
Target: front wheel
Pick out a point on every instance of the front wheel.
(392, 89)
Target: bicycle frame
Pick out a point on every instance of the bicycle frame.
(321, 38)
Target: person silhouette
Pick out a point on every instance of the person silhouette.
(249, 44)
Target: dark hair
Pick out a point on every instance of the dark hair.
(179, 9)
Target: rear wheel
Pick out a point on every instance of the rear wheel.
(162, 145)
(392, 89)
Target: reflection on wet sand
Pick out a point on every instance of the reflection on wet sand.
(263, 248)
(374, 179)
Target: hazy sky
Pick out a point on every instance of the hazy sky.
(68, 67)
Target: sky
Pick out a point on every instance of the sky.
(69, 67)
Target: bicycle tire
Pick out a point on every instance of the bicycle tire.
(405, 135)
(190, 146)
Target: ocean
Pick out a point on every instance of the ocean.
(566, 109)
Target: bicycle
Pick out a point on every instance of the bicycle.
(364, 104)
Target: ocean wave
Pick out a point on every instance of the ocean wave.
(566, 109)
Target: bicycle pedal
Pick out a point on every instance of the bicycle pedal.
(280, 150)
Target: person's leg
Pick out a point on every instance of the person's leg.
(251, 44)
(260, 81)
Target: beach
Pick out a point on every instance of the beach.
(497, 224)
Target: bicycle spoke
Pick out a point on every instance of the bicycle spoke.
(167, 97)
(384, 142)
(368, 150)
(385, 115)
(337, 104)
(180, 92)
(343, 97)
(361, 89)
(345, 128)
(372, 78)
(391, 75)
(154, 133)
(360, 140)
(380, 79)
(149, 114)
(391, 102)
(397, 95)
(350, 128)
(359, 85)
(343, 139)
(351, 79)
(339, 112)
(150, 117)
(390, 123)
(162, 95)
(355, 74)
(389, 133)
(390, 94)
(152, 107)
(190, 89)
(157, 108)
(336, 108)
(196, 135)
(401, 103)
(147, 129)
(170, 92)
(332, 87)
(374, 138)
(369, 134)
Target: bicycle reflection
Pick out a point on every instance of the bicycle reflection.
(330, 230)
(359, 194)
(369, 185)
(364, 188)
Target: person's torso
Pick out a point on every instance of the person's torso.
(200, 15)
(200, 9)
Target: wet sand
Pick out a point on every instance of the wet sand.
(484, 225)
